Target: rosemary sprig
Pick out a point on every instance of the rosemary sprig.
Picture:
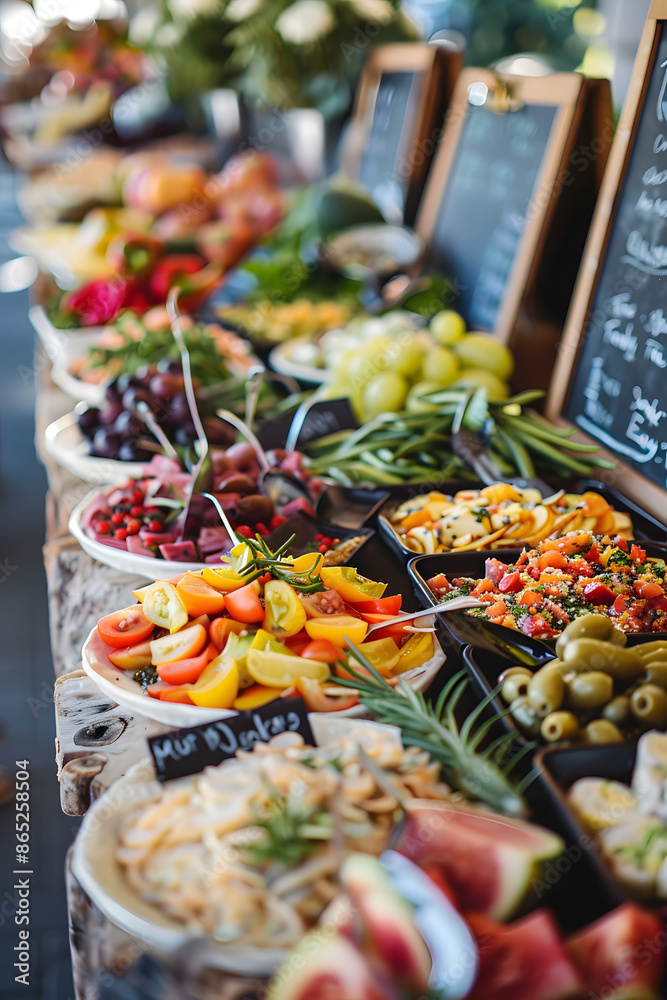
(482, 773)
(292, 831)
(264, 560)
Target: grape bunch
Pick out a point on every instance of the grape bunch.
(118, 431)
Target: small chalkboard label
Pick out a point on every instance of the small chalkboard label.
(189, 751)
(323, 418)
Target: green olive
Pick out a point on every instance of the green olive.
(602, 731)
(583, 655)
(591, 626)
(618, 710)
(514, 683)
(656, 673)
(560, 726)
(649, 705)
(652, 650)
(525, 716)
(590, 690)
(546, 691)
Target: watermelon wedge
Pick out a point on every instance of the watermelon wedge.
(621, 956)
(490, 862)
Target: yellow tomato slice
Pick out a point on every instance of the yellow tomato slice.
(417, 650)
(223, 578)
(280, 669)
(383, 654)
(284, 613)
(309, 562)
(337, 628)
(163, 606)
(218, 685)
(255, 696)
(350, 585)
(169, 648)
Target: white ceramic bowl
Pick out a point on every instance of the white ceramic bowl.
(399, 244)
(126, 562)
(282, 360)
(65, 442)
(62, 347)
(124, 691)
(95, 867)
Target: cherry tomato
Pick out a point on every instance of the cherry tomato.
(599, 593)
(199, 597)
(321, 649)
(620, 605)
(181, 645)
(178, 694)
(537, 625)
(383, 606)
(244, 604)
(187, 671)
(593, 554)
(124, 628)
(297, 643)
(220, 629)
(638, 554)
(510, 583)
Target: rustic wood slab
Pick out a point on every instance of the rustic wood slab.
(96, 741)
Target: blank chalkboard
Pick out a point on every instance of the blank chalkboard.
(486, 205)
(618, 392)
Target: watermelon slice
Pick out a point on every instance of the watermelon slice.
(621, 956)
(179, 551)
(490, 862)
(136, 546)
(525, 960)
(326, 966)
(157, 537)
(213, 539)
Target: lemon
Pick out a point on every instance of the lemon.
(280, 670)
(218, 685)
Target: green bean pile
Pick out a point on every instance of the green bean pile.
(408, 447)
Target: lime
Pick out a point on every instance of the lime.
(384, 394)
(447, 327)
(440, 365)
(479, 350)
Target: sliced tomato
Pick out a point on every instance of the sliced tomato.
(244, 605)
(320, 649)
(199, 597)
(125, 628)
(599, 593)
(297, 643)
(537, 625)
(620, 605)
(221, 629)
(657, 603)
(178, 694)
(637, 554)
(439, 584)
(155, 690)
(510, 583)
(181, 645)
(382, 606)
(530, 597)
(494, 610)
(647, 589)
(187, 671)
(317, 701)
(579, 567)
(396, 631)
(132, 657)
(552, 558)
(593, 554)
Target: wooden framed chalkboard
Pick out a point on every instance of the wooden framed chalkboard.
(394, 132)
(611, 376)
(509, 201)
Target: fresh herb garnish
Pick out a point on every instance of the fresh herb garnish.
(145, 676)
(292, 831)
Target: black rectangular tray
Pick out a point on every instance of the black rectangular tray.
(647, 527)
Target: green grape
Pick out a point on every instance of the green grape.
(359, 370)
(479, 350)
(471, 378)
(406, 357)
(384, 394)
(440, 365)
(339, 362)
(447, 327)
(415, 404)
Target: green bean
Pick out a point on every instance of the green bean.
(518, 453)
(545, 434)
(551, 453)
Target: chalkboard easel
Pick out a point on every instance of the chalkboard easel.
(395, 128)
(509, 200)
(610, 380)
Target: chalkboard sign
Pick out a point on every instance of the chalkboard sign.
(484, 212)
(189, 751)
(611, 380)
(507, 207)
(394, 132)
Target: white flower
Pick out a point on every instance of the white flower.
(305, 21)
(186, 9)
(238, 10)
(374, 10)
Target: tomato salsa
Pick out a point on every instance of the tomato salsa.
(564, 578)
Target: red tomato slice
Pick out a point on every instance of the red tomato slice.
(593, 554)
(510, 583)
(155, 690)
(383, 606)
(552, 558)
(647, 589)
(599, 593)
(317, 701)
(620, 605)
(178, 694)
(125, 628)
(396, 631)
(187, 671)
(321, 649)
(537, 625)
(220, 629)
(638, 554)
(297, 643)
(244, 604)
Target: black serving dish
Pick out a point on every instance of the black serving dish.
(647, 528)
(561, 767)
(304, 528)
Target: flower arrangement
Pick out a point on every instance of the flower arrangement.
(276, 53)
